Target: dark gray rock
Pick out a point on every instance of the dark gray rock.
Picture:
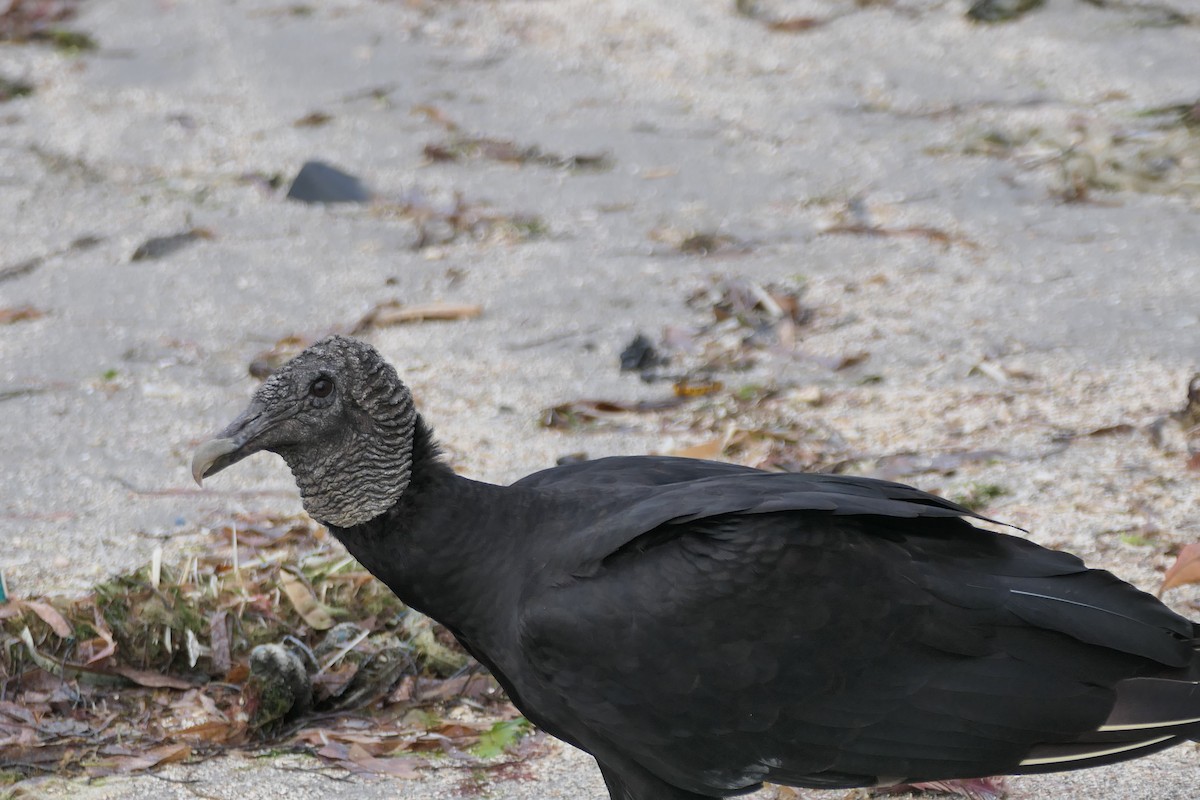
(317, 182)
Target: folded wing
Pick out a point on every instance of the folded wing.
(828, 631)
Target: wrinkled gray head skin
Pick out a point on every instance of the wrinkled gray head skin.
(343, 422)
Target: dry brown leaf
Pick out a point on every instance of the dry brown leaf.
(970, 788)
(167, 754)
(51, 617)
(97, 649)
(457, 730)
(237, 674)
(18, 711)
(704, 243)
(336, 742)
(439, 152)
(103, 634)
(19, 314)
(305, 602)
(333, 682)
(423, 690)
(334, 751)
(1186, 569)
(354, 753)
(403, 691)
(212, 731)
(399, 767)
(313, 119)
(153, 680)
(710, 450)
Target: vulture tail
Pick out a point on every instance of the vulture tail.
(1150, 714)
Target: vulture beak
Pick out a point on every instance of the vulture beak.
(241, 438)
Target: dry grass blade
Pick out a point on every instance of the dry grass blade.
(795, 24)
(394, 313)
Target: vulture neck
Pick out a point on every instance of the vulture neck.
(446, 547)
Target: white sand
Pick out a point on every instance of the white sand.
(715, 124)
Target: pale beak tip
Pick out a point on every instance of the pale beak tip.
(209, 455)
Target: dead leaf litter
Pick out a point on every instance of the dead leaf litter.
(272, 635)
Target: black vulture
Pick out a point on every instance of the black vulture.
(700, 628)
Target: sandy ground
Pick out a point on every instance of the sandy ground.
(997, 315)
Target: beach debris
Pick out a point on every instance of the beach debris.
(11, 315)
(640, 355)
(209, 657)
(162, 246)
(318, 182)
(1001, 10)
(313, 119)
(1185, 570)
(459, 147)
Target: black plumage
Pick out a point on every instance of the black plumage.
(701, 627)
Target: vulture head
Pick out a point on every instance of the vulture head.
(342, 420)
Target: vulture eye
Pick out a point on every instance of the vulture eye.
(321, 387)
